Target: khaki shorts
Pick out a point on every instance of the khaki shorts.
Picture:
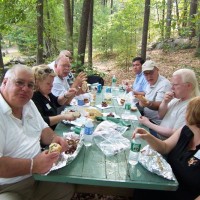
(29, 189)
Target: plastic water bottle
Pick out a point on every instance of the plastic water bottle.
(135, 150)
(88, 131)
(114, 80)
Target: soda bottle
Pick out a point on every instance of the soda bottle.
(135, 150)
(76, 129)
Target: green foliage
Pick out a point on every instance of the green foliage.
(121, 31)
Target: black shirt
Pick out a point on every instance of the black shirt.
(185, 166)
(45, 106)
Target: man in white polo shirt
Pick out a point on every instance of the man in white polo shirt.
(22, 130)
(156, 88)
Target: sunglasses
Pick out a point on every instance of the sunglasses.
(47, 71)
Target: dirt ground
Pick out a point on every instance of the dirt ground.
(167, 63)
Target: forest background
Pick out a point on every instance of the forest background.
(100, 30)
(103, 35)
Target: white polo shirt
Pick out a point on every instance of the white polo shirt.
(156, 93)
(19, 138)
(60, 86)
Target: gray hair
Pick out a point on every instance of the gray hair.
(188, 76)
(11, 72)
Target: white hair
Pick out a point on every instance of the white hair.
(188, 76)
(11, 72)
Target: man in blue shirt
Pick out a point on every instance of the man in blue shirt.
(140, 81)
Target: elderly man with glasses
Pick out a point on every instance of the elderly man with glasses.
(173, 107)
(70, 77)
(21, 131)
(156, 88)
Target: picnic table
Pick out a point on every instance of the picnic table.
(92, 171)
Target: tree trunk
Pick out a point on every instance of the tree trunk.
(145, 28)
(178, 18)
(185, 11)
(111, 7)
(40, 29)
(163, 19)
(47, 33)
(192, 24)
(83, 31)
(169, 19)
(1, 62)
(90, 33)
(68, 22)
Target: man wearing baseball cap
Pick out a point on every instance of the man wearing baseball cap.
(156, 88)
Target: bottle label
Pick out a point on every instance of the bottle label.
(135, 147)
(88, 130)
(114, 80)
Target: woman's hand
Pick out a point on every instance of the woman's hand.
(142, 132)
(144, 120)
(69, 116)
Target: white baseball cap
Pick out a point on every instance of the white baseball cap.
(149, 65)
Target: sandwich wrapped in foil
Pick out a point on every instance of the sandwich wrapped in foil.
(155, 163)
(67, 157)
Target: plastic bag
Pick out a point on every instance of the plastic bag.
(108, 137)
(155, 163)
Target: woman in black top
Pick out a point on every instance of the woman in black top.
(45, 101)
(183, 154)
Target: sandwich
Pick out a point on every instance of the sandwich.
(84, 86)
(54, 147)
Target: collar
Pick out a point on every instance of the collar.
(7, 110)
(140, 74)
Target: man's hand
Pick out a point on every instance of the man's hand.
(144, 120)
(71, 93)
(44, 161)
(82, 76)
(168, 97)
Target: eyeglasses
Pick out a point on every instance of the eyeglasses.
(21, 84)
(150, 72)
(177, 84)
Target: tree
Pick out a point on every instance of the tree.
(145, 28)
(1, 57)
(193, 12)
(90, 33)
(68, 23)
(83, 31)
(168, 19)
(40, 30)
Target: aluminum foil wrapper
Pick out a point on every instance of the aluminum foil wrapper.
(65, 158)
(155, 163)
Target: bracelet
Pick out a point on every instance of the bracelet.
(31, 167)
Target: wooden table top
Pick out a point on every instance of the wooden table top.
(92, 167)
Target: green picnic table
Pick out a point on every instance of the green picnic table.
(92, 171)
